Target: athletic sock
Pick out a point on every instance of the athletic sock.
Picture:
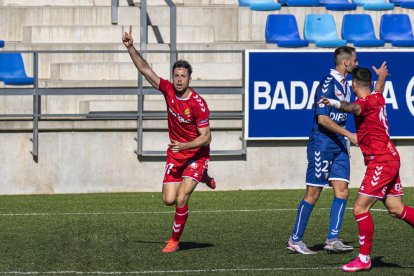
(181, 215)
(364, 258)
(337, 214)
(407, 215)
(302, 217)
(366, 232)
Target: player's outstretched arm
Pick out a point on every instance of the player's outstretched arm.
(343, 106)
(203, 139)
(382, 74)
(139, 61)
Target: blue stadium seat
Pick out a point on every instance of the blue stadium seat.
(1, 43)
(396, 29)
(282, 29)
(338, 5)
(407, 4)
(260, 5)
(375, 5)
(12, 70)
(321, 30)
(300, 3)
(359, 30)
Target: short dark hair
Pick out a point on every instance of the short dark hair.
(183, 64)
(343, 52)
(362, 76)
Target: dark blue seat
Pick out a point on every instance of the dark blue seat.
(321, 30)
(12, 70)
(358, 29)
(1, 43)
(282, 29)
(300, 3)
(407, 4)
(396, 29)
(374, 5)
(338, 5)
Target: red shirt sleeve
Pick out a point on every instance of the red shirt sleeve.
(164, 86)
(202, 115)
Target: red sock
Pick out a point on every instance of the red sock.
(366, 232)
(181, 215)
(407, 215)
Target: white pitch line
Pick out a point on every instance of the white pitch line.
(217, 270)
(163, 212)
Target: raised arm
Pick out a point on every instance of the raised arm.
(382, 74)
(139, 61)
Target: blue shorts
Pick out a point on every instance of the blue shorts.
(324, 166)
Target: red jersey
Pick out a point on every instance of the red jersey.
(184, 117)
(372, 129)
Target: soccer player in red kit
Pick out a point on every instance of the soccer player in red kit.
(382, 180)
(189, 132)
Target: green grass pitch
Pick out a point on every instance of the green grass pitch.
(228, 233)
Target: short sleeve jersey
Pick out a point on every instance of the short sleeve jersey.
(185, 116)
(321, 138)
(372, 129)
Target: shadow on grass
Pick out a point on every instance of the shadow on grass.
(194, 245)
(377, 262)
(183, 245)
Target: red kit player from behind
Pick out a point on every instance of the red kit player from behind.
(382, 180)
(189, 131)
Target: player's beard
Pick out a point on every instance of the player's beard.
(180, 92)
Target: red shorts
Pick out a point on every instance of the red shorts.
(177, 169)
(382, 179)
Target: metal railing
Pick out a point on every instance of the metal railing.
(140, 91)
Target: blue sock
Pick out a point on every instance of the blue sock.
(337, 214)
(302, 217)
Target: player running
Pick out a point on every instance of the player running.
(189, 131)
(382, 180)
(328, 157)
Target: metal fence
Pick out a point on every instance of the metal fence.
(140, 91)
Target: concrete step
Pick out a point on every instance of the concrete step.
(18, 17)
(129, 83)
(127, 71)
(111, 34)
(107, 3)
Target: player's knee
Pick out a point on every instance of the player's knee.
(358, 209)
(395, 212)
(169, 201)
(312, 196)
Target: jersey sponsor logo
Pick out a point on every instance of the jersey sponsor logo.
(338, 117)
(179, 117)
(187, 112)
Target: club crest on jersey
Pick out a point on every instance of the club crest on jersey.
(187, 112)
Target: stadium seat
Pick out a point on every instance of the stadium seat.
(374, 5)
(271, 6)
(260, 5)
(12, 70)
(358, 29)
(338, 5)
(321, 30)
(407, 4)
(396, 29)
(282, 29)
(1, 43)
(299, 3)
